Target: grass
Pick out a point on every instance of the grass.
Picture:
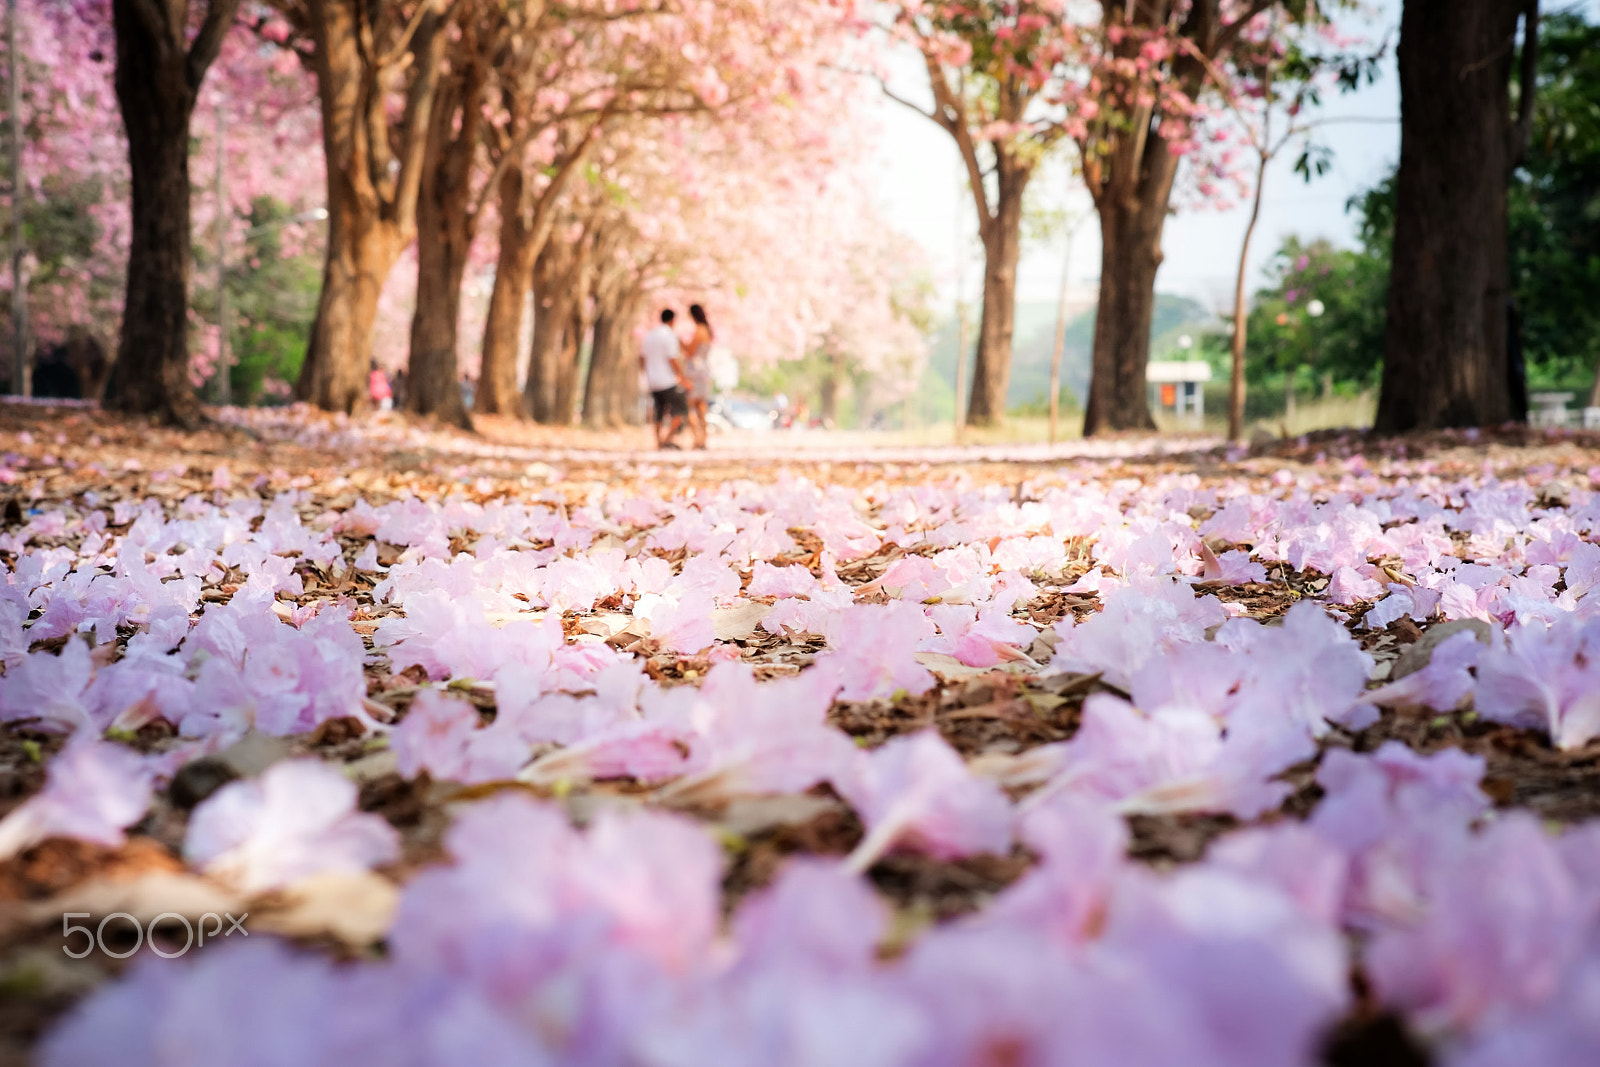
(1331, 413)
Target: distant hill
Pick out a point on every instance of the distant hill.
(1035, 324)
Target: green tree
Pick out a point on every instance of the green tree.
(1555, 210)
(1554, 204)
(272, 296)
(1343, 344)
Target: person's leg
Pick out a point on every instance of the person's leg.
(663, 415)
(678, 410)
(701, 409)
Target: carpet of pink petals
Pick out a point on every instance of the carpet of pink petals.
(586, 671)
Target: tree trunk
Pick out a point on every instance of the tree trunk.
(567, 387)
(361, 252)
(1445, 343)
(441, 266)
(502, 332)
(1129, 170)
(1130, 256)
(1241, 311)
(157, 79)
(579, 318)
(611, 395)
(1002, 245)
(828, 398)
(372, 190)
(445, 224)
(554, 300)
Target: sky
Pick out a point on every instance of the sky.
(921, 192)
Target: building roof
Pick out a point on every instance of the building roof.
(1194, 370)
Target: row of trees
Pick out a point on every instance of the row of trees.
(598, 156)
(620, 153)
(1136, 86)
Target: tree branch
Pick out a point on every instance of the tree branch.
(1527, 84)
(153, 16)
(906, 103)
(208, 42)
(428, 53)
(424, 8)
(953, 118)
(1232, 30)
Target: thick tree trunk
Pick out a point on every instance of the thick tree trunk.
(441, 266)
(446, 222)
(372, 189)
(567, 386)
(157, 78)
(1130, 256)
(1002, 246)
(611, 394)
(502, 332)
(554, 299)
(1445, 343)
(361, 252)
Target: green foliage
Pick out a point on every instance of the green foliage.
(1555, 209)
(60, 227)
(1554, 213)
(272, 296)
(1346, 341)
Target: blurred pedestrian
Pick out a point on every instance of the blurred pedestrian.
(697, 372)
(661, 355)
(378, 388)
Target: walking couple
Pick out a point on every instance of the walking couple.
(679, 376)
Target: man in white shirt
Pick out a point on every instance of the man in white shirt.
(661, 355)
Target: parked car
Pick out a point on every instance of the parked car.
(729, 413)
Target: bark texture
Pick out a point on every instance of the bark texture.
(1012, 160)
(1002, 247)
(611, 392)
(1445, 359)
(527, 220)
(558, 293)
(502, 331)
(447, 220)
(374, 168)
(1129, 170)
(158, 76)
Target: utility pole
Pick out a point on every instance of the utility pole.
(221, 385)
(23, 370)
(1061, 330)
